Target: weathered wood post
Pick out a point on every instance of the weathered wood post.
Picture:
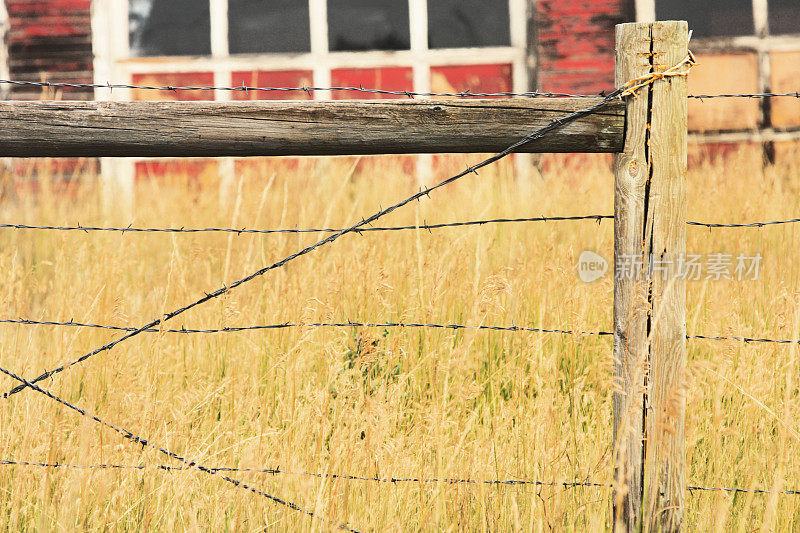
(649, 294)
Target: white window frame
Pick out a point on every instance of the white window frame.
(114, 63)
(4, 66)
(760, 39)
(762, 43)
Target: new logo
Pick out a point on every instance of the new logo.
(591, 266)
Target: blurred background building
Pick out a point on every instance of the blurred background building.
(743, 46)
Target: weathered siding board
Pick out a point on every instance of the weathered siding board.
(50, 40)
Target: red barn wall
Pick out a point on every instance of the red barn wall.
(50, 40)
(576, 44)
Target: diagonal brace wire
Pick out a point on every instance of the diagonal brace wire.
(188, 462)
(355, 228)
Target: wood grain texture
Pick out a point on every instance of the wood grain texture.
(665, 461)
(631, 173)
(649, 312)
(259, 128)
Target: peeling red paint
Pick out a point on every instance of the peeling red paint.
(197, 79)
(273, 78)
(388, 78)
(473, 78)
(50, 40)
(193, 172)
(576, 44)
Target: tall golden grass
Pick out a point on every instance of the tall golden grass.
(375, 401)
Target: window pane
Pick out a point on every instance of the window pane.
(368, 25)
(784, 16)
(473, 78)
(201, 79)
(273, 78)
(169, 27)
(269, 26)
(466, 23)
(387, 78)
(710, 18)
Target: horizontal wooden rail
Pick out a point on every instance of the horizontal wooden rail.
(261, 128)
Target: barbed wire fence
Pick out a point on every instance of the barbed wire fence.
(352, 324)
(364, 90)
(362, 226)
(423, 226)
(376, 479)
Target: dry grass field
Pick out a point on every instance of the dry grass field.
(386, 402)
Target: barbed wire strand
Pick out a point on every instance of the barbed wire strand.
(278, 471)
(376, 479)
(286, 325)
(424, 226)
(742, 339)
(352, 324)
(795, 94)
(551, 126)
(309, 90)
(304, 89)
(128, 435)
(739, 490)
(745, 224)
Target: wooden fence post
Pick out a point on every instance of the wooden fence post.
(649, 294)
